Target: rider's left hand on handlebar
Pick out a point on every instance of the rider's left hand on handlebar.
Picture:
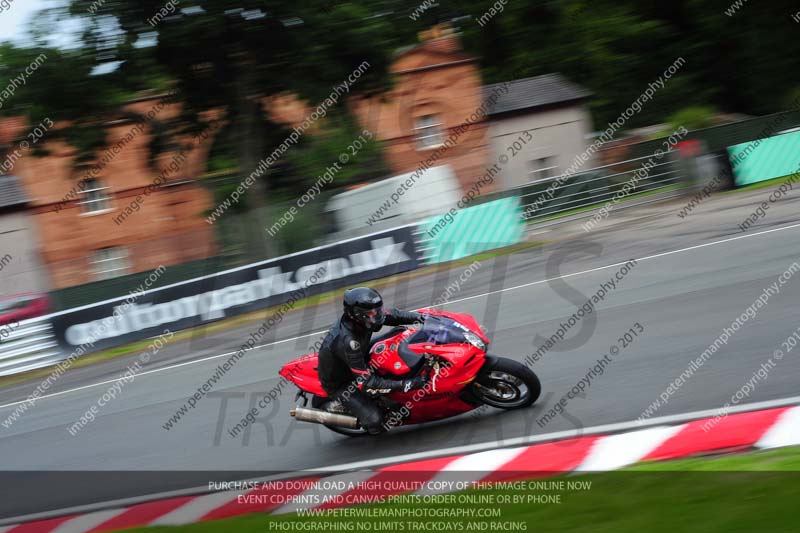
(417, 382)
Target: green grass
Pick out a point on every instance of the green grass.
(781, 460)
(748, 492)
(260, 315)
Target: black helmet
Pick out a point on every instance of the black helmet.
(364, 306)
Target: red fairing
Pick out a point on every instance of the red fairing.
(386, 360)
(442, 399)
(303, 373)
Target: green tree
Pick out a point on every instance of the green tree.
(222, 55)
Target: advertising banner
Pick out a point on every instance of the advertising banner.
(240, 290)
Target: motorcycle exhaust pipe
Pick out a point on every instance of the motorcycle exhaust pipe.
(318, 416)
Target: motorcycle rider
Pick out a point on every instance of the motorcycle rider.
(344, 357)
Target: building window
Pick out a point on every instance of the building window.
(109, 263)
(95, 197)
(428, 129)
(543, 168)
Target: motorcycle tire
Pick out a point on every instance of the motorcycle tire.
(506, 384)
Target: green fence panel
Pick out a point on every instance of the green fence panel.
(464, 232)
(764, 159)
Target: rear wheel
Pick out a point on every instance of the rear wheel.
(507, 385)
(317, 402)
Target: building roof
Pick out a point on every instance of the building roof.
(533, 92)
(11, 192)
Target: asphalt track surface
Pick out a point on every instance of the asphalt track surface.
(683, 300)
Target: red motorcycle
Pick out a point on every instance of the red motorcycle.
(451, 349)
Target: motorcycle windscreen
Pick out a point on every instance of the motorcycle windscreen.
(439, 330)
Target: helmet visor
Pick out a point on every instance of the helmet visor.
(370, 317)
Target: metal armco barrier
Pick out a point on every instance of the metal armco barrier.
(30, 345)
(547, 198)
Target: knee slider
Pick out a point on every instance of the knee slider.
(372, 422)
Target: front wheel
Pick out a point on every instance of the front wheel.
(507, 384)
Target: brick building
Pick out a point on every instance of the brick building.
(123, 215)
(20, 264)
(437, 88)
(118, 216)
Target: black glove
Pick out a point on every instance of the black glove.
(397, 317)
(375, 384)
(417, 382)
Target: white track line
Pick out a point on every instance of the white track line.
(606, 267)
(645, 258)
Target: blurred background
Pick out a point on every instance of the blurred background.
(168, 165)
(204, 135)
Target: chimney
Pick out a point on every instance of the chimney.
(442, 38)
